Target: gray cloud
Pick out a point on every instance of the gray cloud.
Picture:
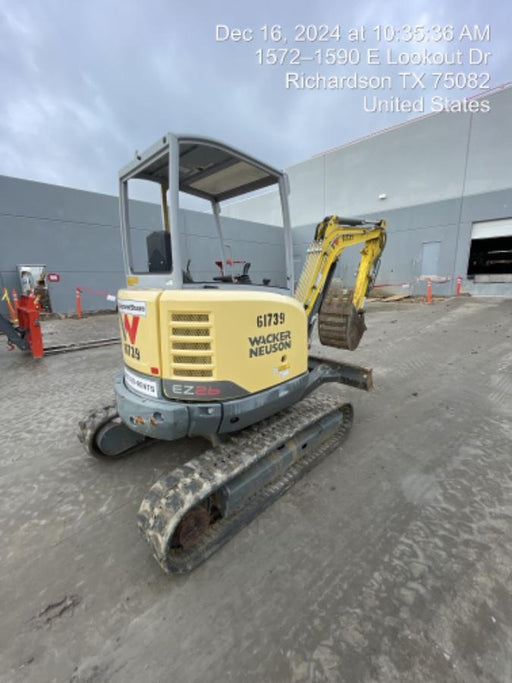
(85, 84)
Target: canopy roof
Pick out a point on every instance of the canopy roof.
(209, 169)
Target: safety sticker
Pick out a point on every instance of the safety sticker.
(140, 385)
(128, 307)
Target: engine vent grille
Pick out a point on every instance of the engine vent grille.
(190, 317)
(192, 373)
(190, 332)
(191, 344)
(196, 360)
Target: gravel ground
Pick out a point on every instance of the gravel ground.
(391, 561)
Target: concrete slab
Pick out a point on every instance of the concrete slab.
(391, 561)
(58, 331)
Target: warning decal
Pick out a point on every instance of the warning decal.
(135, 308)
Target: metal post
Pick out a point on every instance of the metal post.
(284, 190)
(216, 214)
(125, 228)
(174, 198)
(165, 207)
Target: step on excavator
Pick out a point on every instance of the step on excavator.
(225, 355)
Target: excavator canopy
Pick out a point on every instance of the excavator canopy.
(182, 245)
(210, 170)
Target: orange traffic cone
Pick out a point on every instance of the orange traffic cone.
(78, 295)
(428, 300)
(459, 285)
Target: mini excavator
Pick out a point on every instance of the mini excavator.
(226, 356)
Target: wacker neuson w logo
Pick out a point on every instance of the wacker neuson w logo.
(264, 344)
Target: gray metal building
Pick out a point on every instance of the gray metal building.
(443, 182)
(75, 234)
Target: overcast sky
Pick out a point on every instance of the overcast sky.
(84, 84)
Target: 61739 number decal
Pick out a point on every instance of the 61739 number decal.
(269, 319)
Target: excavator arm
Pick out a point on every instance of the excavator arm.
(340, 313)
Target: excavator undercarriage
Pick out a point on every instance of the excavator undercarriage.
(190, 513)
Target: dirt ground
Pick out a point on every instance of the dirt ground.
(391, 561)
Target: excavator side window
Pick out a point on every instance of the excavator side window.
(149, 239)
(159, 251)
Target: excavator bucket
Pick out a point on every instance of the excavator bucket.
(339, 324)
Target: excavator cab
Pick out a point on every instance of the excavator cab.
(183, 250)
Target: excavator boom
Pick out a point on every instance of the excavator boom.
(341, 316)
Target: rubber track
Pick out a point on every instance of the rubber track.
(88, 428)
(90, 425)
(173, 495)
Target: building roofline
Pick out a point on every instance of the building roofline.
(492, 91)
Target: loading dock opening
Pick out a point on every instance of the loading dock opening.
(490, 256)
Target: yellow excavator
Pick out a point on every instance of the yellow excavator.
(213, 349)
